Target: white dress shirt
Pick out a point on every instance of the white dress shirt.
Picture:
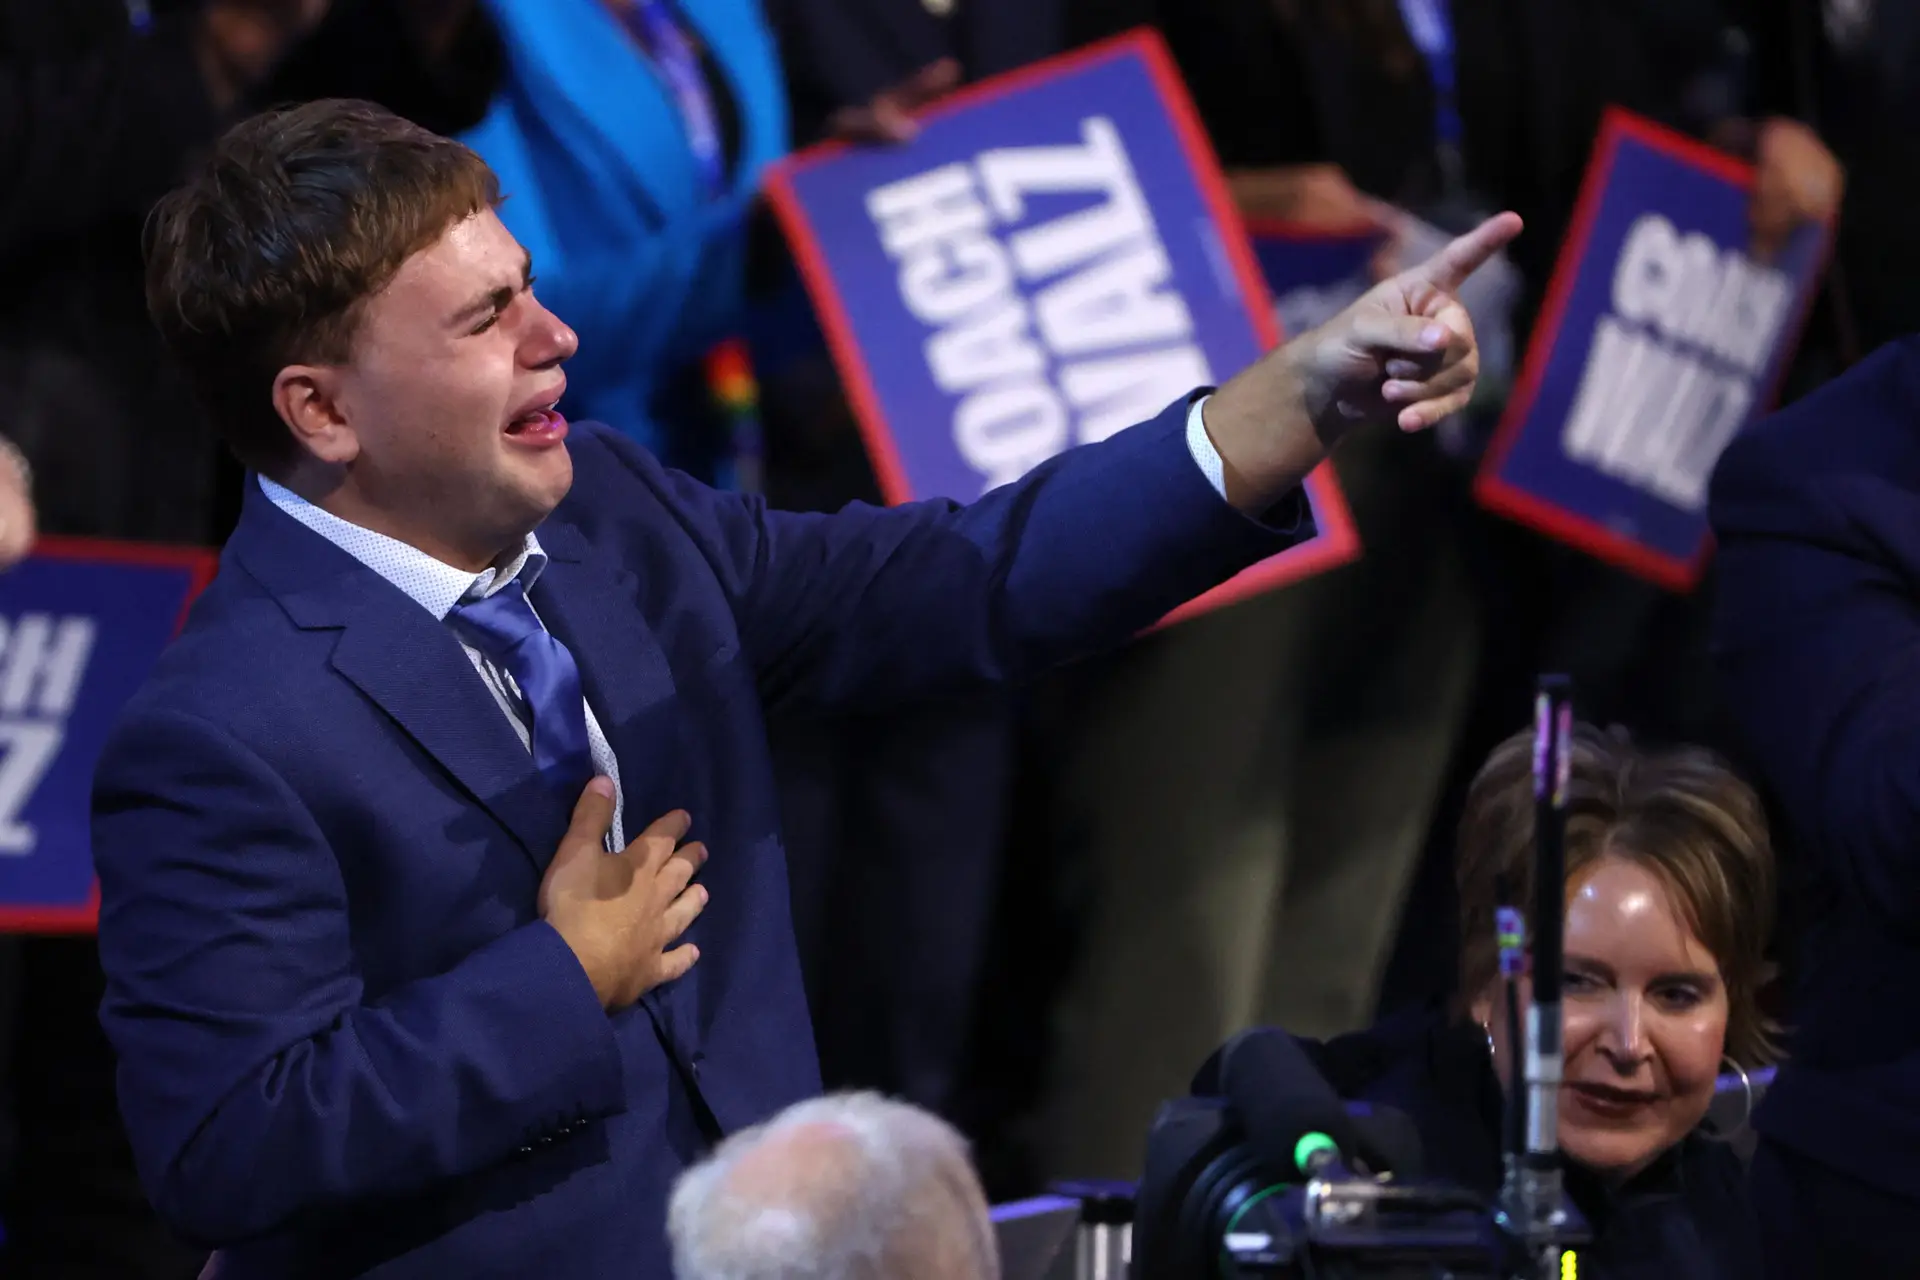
(436, 587)
(1200, 445)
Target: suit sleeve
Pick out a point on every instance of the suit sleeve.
(99, 135)
(259, 1082)
(868, 606)
(1818, 645)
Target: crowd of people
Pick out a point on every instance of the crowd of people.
(1032, 906)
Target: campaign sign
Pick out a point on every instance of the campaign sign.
(1313, 273)
(1053, 258)
(81, 623)
(1660, 339)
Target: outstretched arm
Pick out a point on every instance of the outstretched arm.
(869, 606)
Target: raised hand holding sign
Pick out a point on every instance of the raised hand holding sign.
(1661, 337)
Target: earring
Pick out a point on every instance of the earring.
(1746, 1089)
(1487, 1031)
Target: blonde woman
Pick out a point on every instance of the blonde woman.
(1670, 889)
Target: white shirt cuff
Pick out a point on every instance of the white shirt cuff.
(1205, 456)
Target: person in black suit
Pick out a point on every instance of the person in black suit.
(1670, 880)
(1817, 513)
(102, 105)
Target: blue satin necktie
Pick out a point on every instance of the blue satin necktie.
(504, 628)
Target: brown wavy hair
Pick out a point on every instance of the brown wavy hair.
(1682, 813)
(264, 256)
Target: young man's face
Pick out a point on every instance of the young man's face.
(449, 393)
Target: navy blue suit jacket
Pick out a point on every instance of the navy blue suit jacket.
(1818, 637)
(348, 1045)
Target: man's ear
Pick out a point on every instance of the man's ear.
(307, 398)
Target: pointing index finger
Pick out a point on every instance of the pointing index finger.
(1448, 269)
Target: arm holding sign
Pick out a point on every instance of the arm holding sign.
(1796, 181)
(870, 606)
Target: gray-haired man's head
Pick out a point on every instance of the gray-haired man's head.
(848, 1187)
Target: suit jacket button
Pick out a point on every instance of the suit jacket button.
(526, 1151)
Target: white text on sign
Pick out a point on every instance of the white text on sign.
(1675, 368)
(1053, 332)
(43, 661)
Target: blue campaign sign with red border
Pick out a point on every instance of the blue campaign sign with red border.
(112, 607)
(1528, 475)
(878, 345)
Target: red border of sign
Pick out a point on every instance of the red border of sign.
(202, 562)
(1499, 495)
(1338, 541)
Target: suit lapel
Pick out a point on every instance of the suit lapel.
(416, 672)
(592, 606)
(407, 663)
(591, 603)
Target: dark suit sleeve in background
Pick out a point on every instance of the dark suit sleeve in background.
(1817, 513)
(255, 1102)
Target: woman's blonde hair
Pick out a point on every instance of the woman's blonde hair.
(1681, 813)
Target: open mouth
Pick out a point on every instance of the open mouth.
(536, 422)
(539, 423)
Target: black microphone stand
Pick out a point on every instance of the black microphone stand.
(1532, 1205)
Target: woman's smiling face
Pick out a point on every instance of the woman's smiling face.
(1644, 1011)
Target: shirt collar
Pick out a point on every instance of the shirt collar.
(434, 585)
